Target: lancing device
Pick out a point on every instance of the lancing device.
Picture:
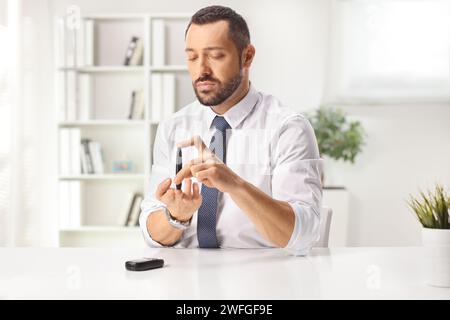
(179, 164)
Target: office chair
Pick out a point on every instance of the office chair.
(325, 223)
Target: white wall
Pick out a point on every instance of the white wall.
(407, 150)
(3, 12)
(407, 146)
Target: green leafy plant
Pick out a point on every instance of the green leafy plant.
(337, 137)
(432, 210)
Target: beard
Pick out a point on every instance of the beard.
(220, 93)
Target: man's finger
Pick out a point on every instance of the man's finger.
(187, 187)
(204, 174)
(193, 141)
(162, 188)
(195, 189)
(199, 167)
(203, 151)
(184, 173)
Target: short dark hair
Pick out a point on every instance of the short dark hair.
(237, 27)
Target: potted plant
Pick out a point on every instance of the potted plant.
(432, 211)
(338, 138)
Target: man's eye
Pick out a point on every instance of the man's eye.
(218, 56)
(192, 58)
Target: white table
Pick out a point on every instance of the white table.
(342, 273)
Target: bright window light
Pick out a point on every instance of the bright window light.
(5, 95)
(391, 50)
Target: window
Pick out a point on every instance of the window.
(390, 50)
(5, 135)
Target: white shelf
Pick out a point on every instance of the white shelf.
(136, 16)
(115, 16)
(104, 69)
(112, 176)
(68, 124)
(172, 15)
(86, 229)
(172, 68)
(125, 69)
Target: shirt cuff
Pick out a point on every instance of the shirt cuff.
(306, 230)
(143, 225)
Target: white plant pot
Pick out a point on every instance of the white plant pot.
(334, 172)
(436, 243)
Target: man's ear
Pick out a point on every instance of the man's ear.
(247, 56)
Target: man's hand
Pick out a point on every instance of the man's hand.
(207, 168)
(181, 204)
(274, 219)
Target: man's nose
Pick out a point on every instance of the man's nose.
(204, 66)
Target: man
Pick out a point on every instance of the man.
(257, 184)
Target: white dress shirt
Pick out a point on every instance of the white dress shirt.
(268, 145)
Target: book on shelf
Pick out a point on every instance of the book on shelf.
(125, 209)
(64, 204)
(132, 104)
(60, 61)
(71, 98)
(64, 151)
(69, 40)
(158, 42)
(137, 105)
(75, 139)
(91, 157)
(129, 216)
(69, 151)
(96, 155)
(163, 96)
(88, 41)
(86, 159)
(74, 48)
(75, 204)
(78, 98)
(60, 44)
(134, 52)
(156, 97)
(60, 96)
(138, 54)
(69, 204)
(75, 45)
(84, 95)
(168, 93)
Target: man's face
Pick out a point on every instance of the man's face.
(213, 62)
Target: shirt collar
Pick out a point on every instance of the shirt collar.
(237, 113)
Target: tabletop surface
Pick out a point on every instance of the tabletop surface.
(335, 273)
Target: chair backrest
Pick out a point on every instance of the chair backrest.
(325, 223)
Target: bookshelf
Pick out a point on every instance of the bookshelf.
(93, 98)
(102, 177)
(86, 123)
